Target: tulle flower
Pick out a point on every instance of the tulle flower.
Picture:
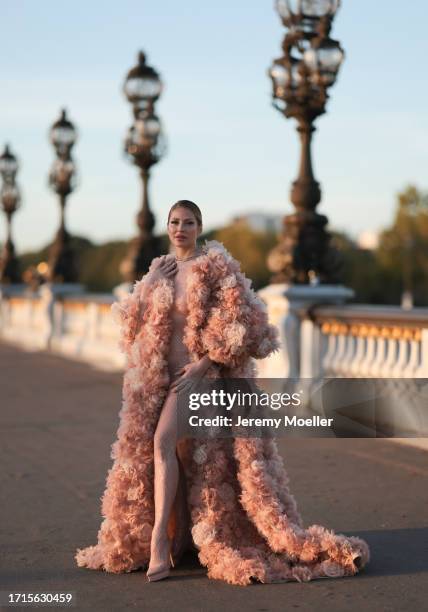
(200, 455)
(203, 533)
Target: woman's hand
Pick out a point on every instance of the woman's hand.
(190, 374)
(165, 267)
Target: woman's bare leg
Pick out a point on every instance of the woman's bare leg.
(182, 537)
(165, 479)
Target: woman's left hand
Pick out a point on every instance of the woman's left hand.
(189, 374)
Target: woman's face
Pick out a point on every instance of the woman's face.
(183, 228)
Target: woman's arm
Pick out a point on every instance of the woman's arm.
(206, 362)
(145, 290)
(194, 370)
(238, 325)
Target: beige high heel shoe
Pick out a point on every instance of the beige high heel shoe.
(161, 572)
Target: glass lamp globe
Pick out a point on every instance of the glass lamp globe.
(8, 164)
(63, 134)
(10, 198)
(62, 175)
(142, 82)
(309, 8)
(284, 76)
(324, 61)
(147, 129)
(280, 76)
(319, 8)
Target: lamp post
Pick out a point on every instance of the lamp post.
(300, 79)
(62, 180)
(10, 200)
(145, 145)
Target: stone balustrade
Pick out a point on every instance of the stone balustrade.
(318, 339)
(352, 341)
(63, 320)
(365, 341)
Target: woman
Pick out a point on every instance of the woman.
(195, 315)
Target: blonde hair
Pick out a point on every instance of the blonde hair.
(194, 208)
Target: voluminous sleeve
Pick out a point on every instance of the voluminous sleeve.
(237, 326)
(128, 312)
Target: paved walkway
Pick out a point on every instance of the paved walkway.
(58, 420)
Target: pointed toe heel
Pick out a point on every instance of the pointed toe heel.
(162, 571)
(158, 574)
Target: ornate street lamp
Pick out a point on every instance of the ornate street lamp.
(10, 200)
(62, 180)
(300, 80)
(145, 145)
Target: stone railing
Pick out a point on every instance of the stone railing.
(384, 343)
(358, 341)
(321, 336)
(319, 340)
(71, 323)
(322, 341)
(327, 340)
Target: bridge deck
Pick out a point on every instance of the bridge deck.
(58, 420)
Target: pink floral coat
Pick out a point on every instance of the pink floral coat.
(245, 522)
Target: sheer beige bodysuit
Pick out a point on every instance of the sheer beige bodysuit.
(178, 355)
(170, 486)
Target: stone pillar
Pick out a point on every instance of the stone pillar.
(287, 306)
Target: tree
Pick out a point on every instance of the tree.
(403, 248)
(361, 270)
(250, 248)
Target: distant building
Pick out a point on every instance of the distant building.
(260, 222)
(368, 239)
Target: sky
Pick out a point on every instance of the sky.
(229, 150)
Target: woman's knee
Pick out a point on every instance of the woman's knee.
(164, 446)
